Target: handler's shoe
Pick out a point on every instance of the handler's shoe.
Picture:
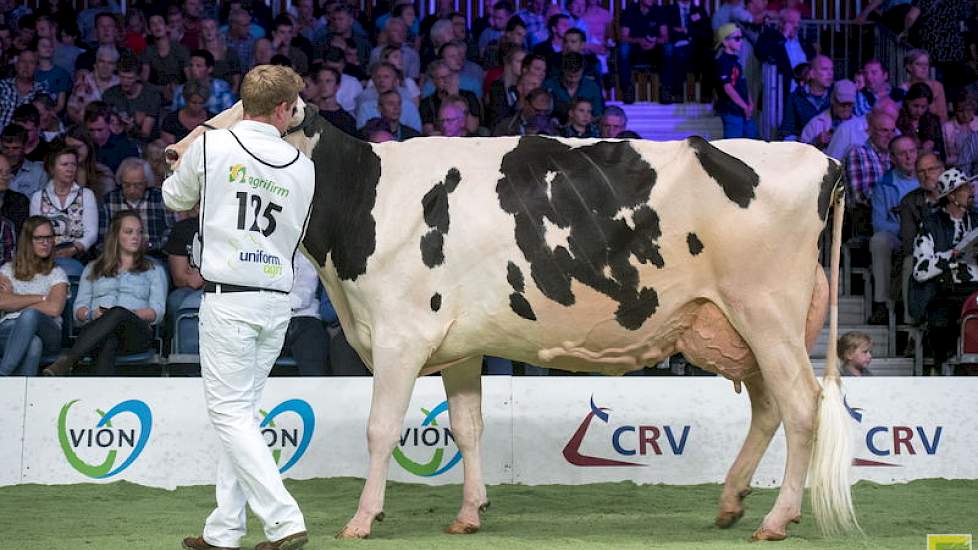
(198, 543)
(60, 367)
(291, 542)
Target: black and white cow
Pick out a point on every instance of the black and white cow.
(584, 255)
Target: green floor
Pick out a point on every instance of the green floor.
(605, 516)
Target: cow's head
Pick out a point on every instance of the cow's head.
(294, 135)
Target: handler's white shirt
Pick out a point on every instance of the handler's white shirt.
(256, 194)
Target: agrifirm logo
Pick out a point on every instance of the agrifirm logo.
(625, 441)
(428, 440)
(237, 174)
(94, 450)
(288, 436)
(891, 441)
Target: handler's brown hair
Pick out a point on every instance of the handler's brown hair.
(265, 86)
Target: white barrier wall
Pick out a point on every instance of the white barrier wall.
(538, 430)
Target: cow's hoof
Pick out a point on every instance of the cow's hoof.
(461, 528)
(728, 519)
(767, 534)
(352, 533)
(379, 517)
(484, 507)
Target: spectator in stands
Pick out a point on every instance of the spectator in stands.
(350, 87)
(446, 85)
(227, 66)
(134, 34)
(71, 208)
(489, 40)
(532, 118)
(191, 12)
(732, 11)
(461, 34)
(580, 120)
(306, 339)
(342, 23)
(33, 291)
(917, 63)
(164, 60)
(106, 37)
(866, 164)
(687, 47)
(886, 197)
(551, 49)
(944, 274)
(440, 34)
(187, 281)
(104, 76)
(855, 350)
(56, 79)
(855, 131)
(27, 176)
(385, 77)
(396, 33)
(138, 104)
(877, 86)
(21, 88)
(376, 134)
(575, 41)
(961, 126)
(937, 26)
(469, 75)
(29, 118)
(614, 124)
(452, 115)
(501, 94)
(91, 173)
(734, 103)
(820, 128)
(110, 148)
(914, 206)
(84, 92)
(534, 15)
(640, 33)
(327, 82)
(239, 37)
(915, 119)
(408, 86)
(808, 100)
(121, 294)
(153, 154)
(570, 85)
(201, 69)
(179, 123)
(49, 124)
(134, 193)
(783, 48)
(14, 206)
(389, 104)
(283, 31)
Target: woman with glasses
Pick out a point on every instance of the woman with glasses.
(734, 103)
(71, 208)
(32, 296)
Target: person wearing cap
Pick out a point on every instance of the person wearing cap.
(944, 275)
(809, 99)
(734, 103)
(820, 128)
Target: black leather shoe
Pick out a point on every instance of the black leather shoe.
(198, 543)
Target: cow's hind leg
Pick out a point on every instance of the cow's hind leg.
(764, 421)
(395, 370)
(463, 386)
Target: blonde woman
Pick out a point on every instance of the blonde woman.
(917, 64)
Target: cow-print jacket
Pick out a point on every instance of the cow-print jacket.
(938, 235)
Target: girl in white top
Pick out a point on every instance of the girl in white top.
(32, 295)
(71, 208)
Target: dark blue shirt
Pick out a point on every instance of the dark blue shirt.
(729, 71)
(640, 24)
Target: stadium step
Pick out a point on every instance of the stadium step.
(852, 310)
(672, 122)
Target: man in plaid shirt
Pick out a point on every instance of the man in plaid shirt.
(866, 164)
(21, 88)
(133, 193)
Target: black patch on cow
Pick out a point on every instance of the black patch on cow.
(436, 302)
(341, 223)
(832, 177)
(515, 277)
(521, 307)
(695, 245)
(435, 206)
(735, 177)
(590, 186)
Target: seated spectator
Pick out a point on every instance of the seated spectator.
(914, 206)
(580, 120)
(385, 77)
(106, 38)
(56, 79)
(452, 56)
(535, 17)
(575, 42)
(27, 176)
(134, 36)
(241, 36)
(877, 87)
(809, 99)
(83, 93)
(220, 96)
(227, 65)
(396, 33)
(501, 92)
(614, 124)
(961, 126)
(409, 88)
(440, 33)
(855, 131)
(110, 148)
(783, 48)
(640, 34)
(491, 39)
(139, 104)
(120, 296)
(104, 74)
(283, 31)
(688, 35)
(21, 88)
(734, 103)
(943, 275)
(72, 209)
(571, 84)
(50, 125)
(91, 173)
(446, 85)
(552, 48)
(33, 291)
(133, 193)
(164, 60)
(306, 339)
(855, 351)
(187, 281)
(916, 120)
(375, 134)
(866, 164)
(917, 63)
(13, 205)
(344, 26)
(327, 84)
(452, 116)
(350, 87)
(599, 26)
(537, 105)
(886, 197)
(181, 122)
(153, 154)
(389, 119)
(818, 131)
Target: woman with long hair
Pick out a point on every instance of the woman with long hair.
(32, 296)
(70, 207)
(91, 173)
(121, 295)
(915, 119)
(917, 64)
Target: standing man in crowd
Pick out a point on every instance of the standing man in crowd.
(246, 261)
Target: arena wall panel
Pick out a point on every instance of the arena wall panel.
(12, 393)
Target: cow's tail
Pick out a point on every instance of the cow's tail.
(832, 451)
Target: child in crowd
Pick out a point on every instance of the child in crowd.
(734, 104)
(856, 352)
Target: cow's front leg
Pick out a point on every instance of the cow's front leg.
(395, 370)
(463, 386)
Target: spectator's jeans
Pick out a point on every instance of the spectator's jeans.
(307, 342)
(117, 330)
(24, 339)
(676, 66)
(737, 126)
(881, 247)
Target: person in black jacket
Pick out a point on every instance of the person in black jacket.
(784, 48)
(689, 46)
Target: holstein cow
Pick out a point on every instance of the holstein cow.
(584, 255)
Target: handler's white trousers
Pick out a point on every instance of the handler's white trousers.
(241, 335)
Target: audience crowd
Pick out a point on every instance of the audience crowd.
(89, 99)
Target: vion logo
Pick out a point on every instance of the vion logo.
(428, 440)
(290, 436)
(103, 443)
(626, 440)
(890, 441)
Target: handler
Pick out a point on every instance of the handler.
(255, 192)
